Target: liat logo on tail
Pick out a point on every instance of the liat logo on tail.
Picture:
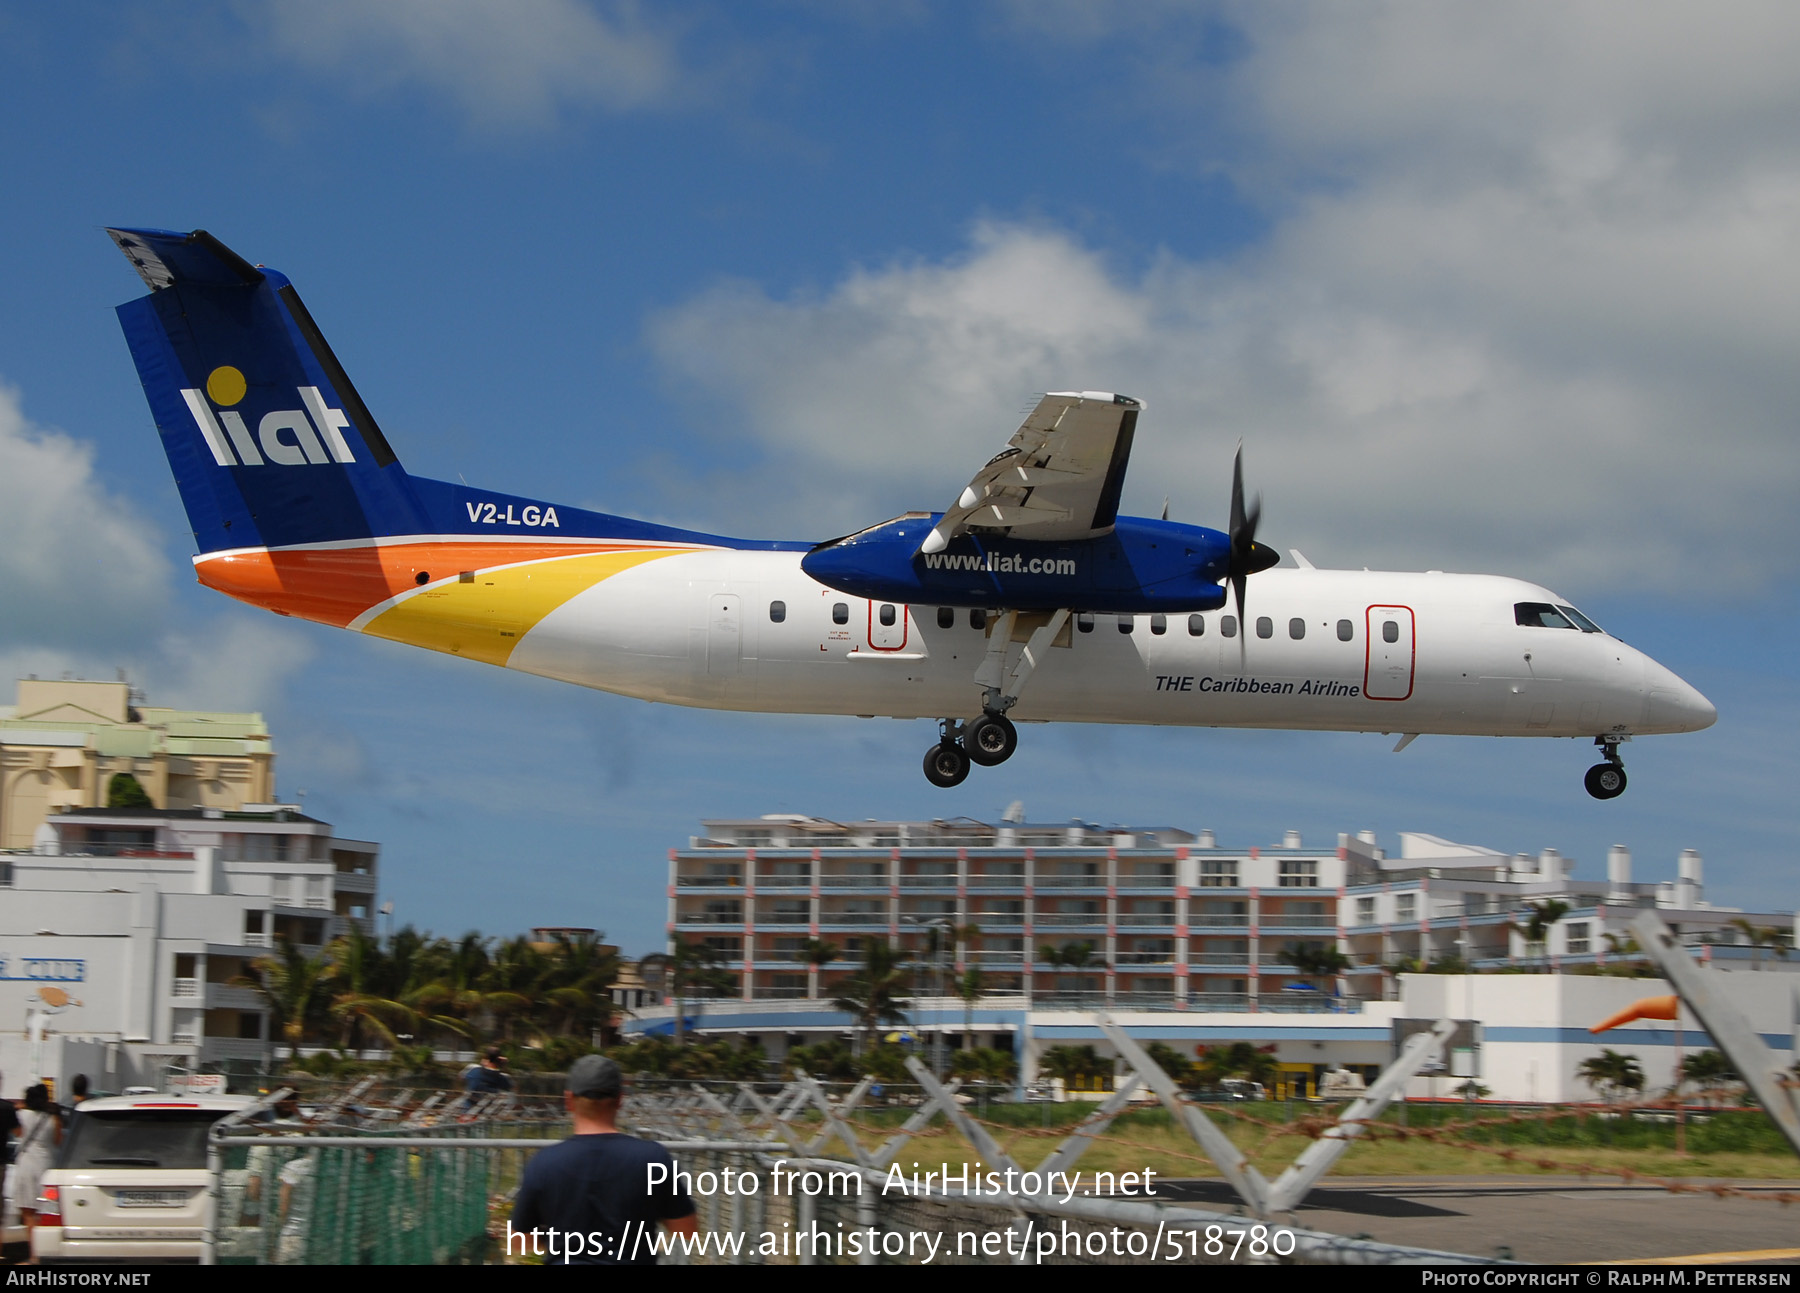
(308, 436)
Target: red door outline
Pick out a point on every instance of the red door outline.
(1412, 649)
(905, 626)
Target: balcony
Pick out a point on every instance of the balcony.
(1072, 920)
(184, 988)
(853, 918)
(1071, 882)
(1217, 920)
(1308, 1003)
(833, 881)
(1279, 921)
(784, 918)
(709, 918)
(1219, 1002)
(708, 882)
(1145, 958)
(997, 880)
(1142, 919)
(928, 882)
(1219, 958)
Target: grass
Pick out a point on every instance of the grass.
(1729, 1145)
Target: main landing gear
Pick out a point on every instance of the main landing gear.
(991, 738)
(988, 740)
(1607, 780)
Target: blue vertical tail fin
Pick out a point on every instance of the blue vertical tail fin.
(269, 441)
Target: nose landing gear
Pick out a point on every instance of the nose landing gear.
(1607, 780)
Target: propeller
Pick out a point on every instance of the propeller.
(1247, 555)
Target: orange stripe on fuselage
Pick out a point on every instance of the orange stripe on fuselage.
(334, 586)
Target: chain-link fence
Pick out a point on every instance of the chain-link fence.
(445, 1199)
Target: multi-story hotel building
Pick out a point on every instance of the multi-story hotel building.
(1168, 919)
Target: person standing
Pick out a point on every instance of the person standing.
(9, 1126)
(597, 1184)
(78, 1092)
(486, 1078)
(40, 1132)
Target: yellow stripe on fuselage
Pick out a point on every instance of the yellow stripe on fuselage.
(484, 619)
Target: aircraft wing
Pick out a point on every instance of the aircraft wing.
(1058, 478)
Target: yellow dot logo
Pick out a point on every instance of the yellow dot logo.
(226, 385)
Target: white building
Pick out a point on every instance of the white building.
(124, 935)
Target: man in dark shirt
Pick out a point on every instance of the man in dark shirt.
(489, 1077)
(597, 1197)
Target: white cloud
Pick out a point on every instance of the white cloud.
(519, 64)
(79, 569)
(1529, 303)
(232, 662)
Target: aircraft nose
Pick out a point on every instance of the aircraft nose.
(1672, 705)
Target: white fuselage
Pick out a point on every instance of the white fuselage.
(699, 629)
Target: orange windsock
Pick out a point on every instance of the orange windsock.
(1647, 1008)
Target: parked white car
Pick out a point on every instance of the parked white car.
(130, 1181)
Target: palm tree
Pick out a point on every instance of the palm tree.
(359, 1002)
(873, 993)
(296, 988)
(1073, 1062)
(1761, 936)
(1239, 1059)
(1709, 1070)
(1612, 1073)
(818, 953)
(1541, 917)
(690, 968)
(1316, 962)
(969, 988)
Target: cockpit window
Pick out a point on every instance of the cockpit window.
(1541, 615)
(1586, 625)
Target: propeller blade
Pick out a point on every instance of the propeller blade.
(1247, 555)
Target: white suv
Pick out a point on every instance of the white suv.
(130, 1181)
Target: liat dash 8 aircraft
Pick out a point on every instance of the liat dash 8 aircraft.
(1030, 599)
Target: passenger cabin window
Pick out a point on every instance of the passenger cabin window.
(1346, 630)
(777, 612)
(1085, 623)
(978, 618)
(886, 615)
(840, 612)
(1390, 631)
(946, 617)
(1265, 627)
(1124, 623)
(1296, 628)
(1159, 624)
(1196, 626)
(1227, 626)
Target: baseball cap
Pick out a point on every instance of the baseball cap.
(594, 1077)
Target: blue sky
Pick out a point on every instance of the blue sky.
(1492, 288)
